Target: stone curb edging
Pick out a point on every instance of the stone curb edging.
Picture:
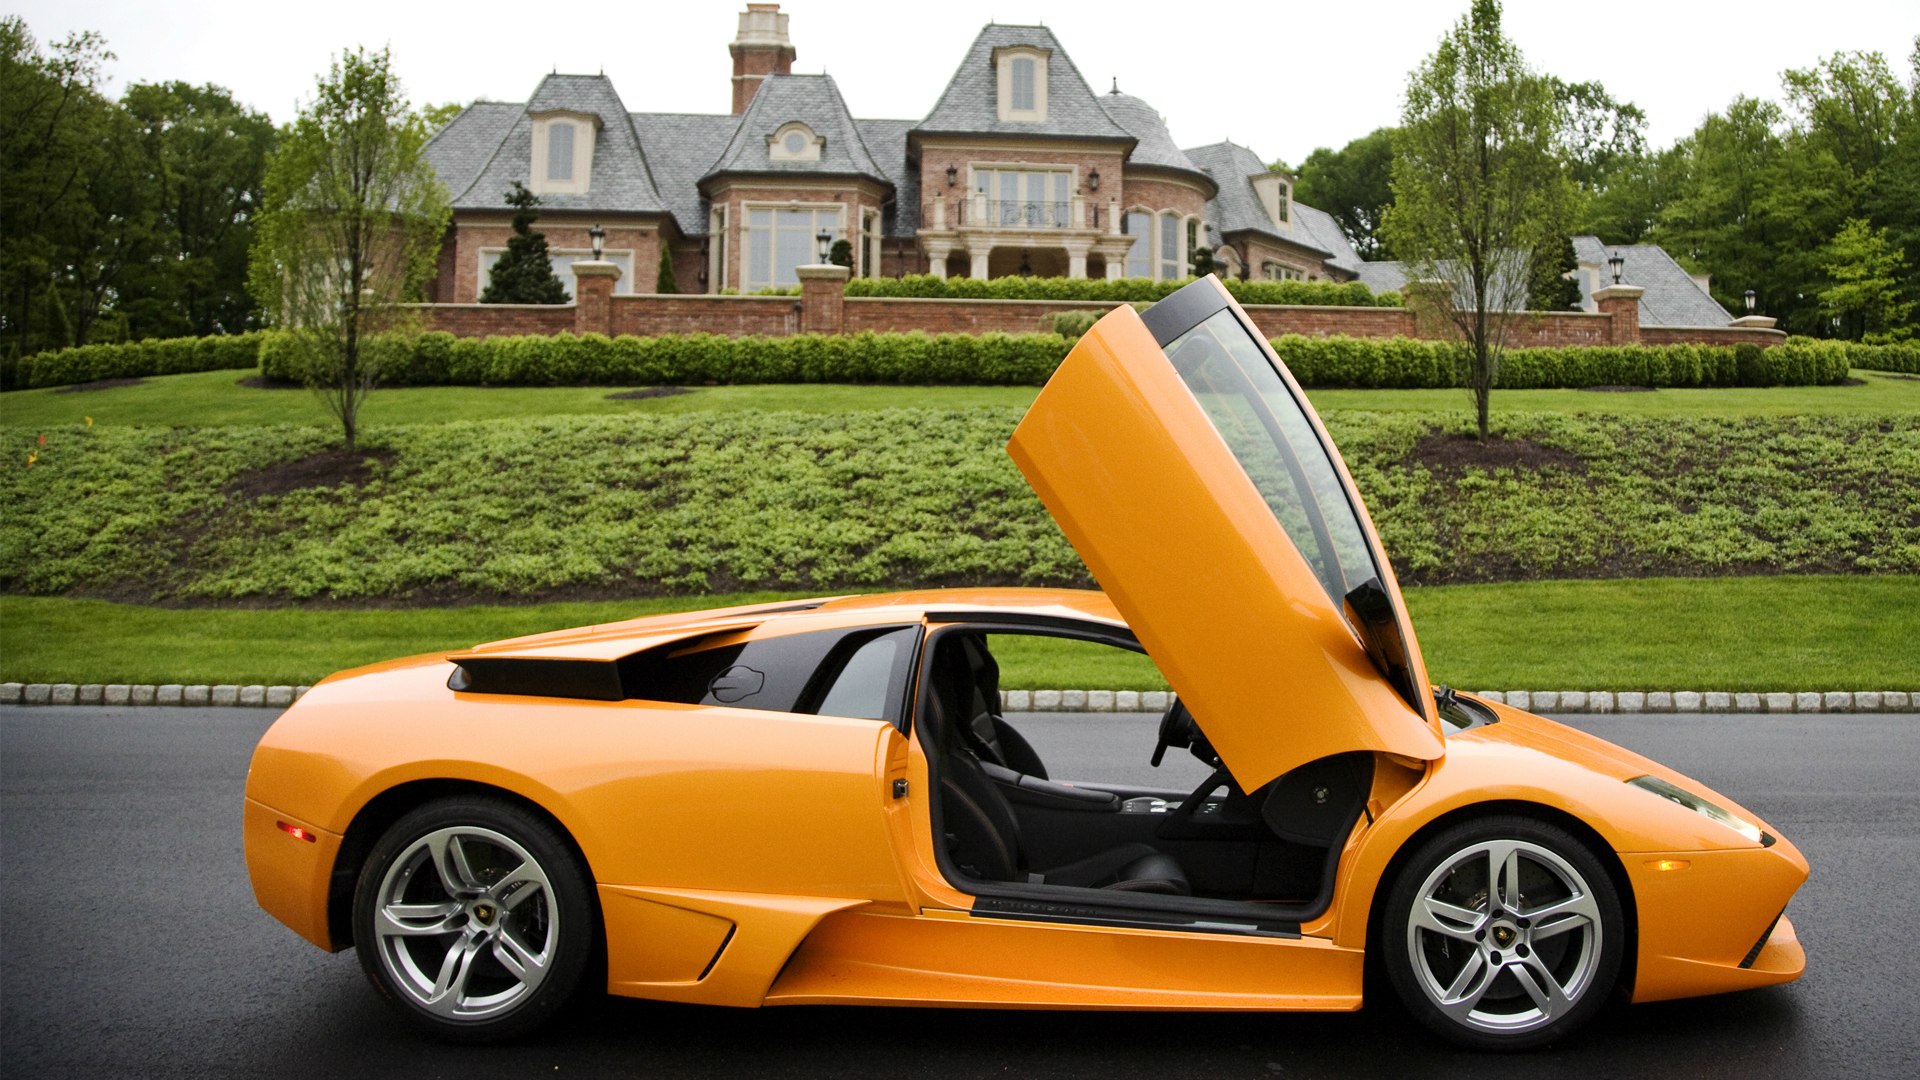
(1542, 701)
(1548, 701)
(252, 696)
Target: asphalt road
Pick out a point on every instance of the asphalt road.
(130, 944)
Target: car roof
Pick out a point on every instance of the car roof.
(611, 640)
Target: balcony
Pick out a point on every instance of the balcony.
(977, 212)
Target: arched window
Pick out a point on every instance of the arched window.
(1171, 264)
(1139, 225)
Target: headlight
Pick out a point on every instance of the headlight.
(1701, 806)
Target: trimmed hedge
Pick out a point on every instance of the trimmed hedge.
(1118, 291)
(135, 359)
(1902, 356)
(440, 359)
(1413, 364)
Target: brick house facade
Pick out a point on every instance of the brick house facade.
(1018, 168)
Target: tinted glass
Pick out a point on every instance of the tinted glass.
(771, 673)
(870, 683)
(1269, 433)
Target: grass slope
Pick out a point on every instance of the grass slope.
(1736, 634)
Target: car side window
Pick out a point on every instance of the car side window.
(870, 680)
(778, 674)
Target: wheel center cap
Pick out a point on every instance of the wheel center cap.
(1504, 935)
(483, 913)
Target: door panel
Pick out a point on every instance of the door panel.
(1201, 564)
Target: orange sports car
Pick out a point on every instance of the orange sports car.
(825, 803)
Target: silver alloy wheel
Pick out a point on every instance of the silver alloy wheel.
(465, 923)
(1504, 936)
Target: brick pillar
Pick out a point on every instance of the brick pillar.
(1621, 305)
(823, 296)
(593, 296)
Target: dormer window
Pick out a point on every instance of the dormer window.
(1021, 72)
(1276, 197)
(562, 153)
(795, 142)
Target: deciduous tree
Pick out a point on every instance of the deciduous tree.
(1478, 186)
(353, 224)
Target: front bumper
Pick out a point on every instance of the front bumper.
(1704, 919)
(291, 875)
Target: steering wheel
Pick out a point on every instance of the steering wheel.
(1176, 729)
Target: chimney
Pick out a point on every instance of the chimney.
(761, 49)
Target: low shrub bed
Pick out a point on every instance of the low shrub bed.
(1117, 291)
(1901, 356)
(133, 360)
(438, 359)
(583, 507)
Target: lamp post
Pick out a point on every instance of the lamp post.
(1616, 263)
(599, 237)
(1752, 298)
(826, 245)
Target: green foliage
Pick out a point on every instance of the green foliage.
(1353, 184)
(137, 359)
(121, 219)
(1117, 291)
(1867, 272)
(523, 274)
(1553, 287)
(640, 505)
(435, 359)
(1073, 324)
(1410, 363)
(841, 254)
(353, 226)
(1479, 185)
(664, 280)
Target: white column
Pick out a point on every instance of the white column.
(979, 271)
(937, 259)
(1077, 260)
(1113, 217)
(1116, 267)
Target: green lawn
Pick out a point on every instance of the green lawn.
(1757, 633)
(216, 398)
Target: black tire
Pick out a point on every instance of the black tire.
(1494, 967)
(473, 917)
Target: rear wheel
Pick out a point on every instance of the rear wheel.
(472, 917)
(1503, 933)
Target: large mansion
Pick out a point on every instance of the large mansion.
(1019, 168)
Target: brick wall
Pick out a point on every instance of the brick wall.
(497, 320)
(735, 316)
(650, 315)
(470, 237)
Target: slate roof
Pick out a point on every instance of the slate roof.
(621, 180)
(1237, 209)
(887, 141)
(813, 100)
(970, 104)
(1155, 147)
(1672, 298)
(681, 148)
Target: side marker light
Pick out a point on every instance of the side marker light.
(296, 832)
(1668, 864)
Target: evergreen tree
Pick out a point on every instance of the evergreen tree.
(841, 254)
(524, 275)
(1552, 289)
(667, 283)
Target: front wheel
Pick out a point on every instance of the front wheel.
(472, 917)
(1503, 933)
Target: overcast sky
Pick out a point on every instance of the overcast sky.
(1282, 76)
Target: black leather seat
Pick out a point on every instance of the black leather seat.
(982, 830)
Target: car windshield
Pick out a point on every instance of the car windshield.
(1267, 430)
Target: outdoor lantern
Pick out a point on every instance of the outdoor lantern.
(599, 237)
(953, 175)
(1750, 301)
(1616, 263)
(1093, 180)
(826, 244)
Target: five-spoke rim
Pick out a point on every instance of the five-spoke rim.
(466, 923)
(1504, 936)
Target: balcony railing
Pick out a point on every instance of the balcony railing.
(979, 212)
